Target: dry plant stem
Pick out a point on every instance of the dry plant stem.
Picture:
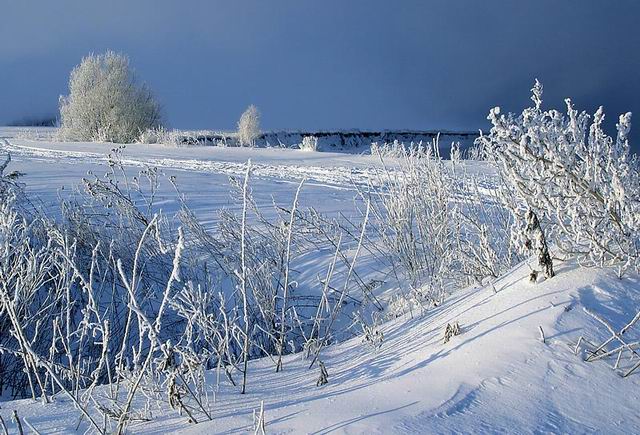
(35, 431)
(195, 397)
(614, 335)
(619, 350)
(18, 422)
(324, 301)
(285, 291)
(71, 396)
(259, 428)
(243, 277)
(600, 352)
(152, 329)
(5, 431)
(345, 289)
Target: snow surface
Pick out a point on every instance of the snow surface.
(201, 173)
(496, 377)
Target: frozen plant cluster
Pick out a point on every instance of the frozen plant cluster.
(438, 231)
(112, 294)
(309, 143)
(397, 149)
(582, 184)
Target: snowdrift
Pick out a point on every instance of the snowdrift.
(497, 376)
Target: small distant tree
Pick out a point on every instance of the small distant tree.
(105, 102)
(249, 126)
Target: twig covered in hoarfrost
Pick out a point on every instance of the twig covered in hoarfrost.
(16, 419)
(152, 330)
(601, 350)
(243, 277)
(285, 289)
(338, 306)
(259, 423)
(35, 431)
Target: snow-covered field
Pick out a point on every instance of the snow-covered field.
(513, 368)
(202, 173)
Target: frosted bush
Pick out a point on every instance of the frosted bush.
(309, 143)
(434, 241)
(475, 152)
(582, 184)
(151, 136)
(249, 126)
(397, 149)
(160, 135)
(105, 102)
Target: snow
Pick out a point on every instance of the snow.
(202, 173)
(497, 376)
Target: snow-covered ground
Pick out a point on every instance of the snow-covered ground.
(202, 173)
(498, 376)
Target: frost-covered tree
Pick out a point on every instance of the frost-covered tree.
(249, 126)
(582, 184)
(106, 103)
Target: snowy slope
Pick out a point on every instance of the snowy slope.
(497, 376)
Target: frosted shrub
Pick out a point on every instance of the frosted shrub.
(416, 222)
(583, 185)
(475, 152)
(309, 143)
(394, 149)
(438, 231)
(397, 149)
(249, 126)
(151, 136)
(105, 102)
(160, 135)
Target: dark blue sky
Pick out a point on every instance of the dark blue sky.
(368, 64)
